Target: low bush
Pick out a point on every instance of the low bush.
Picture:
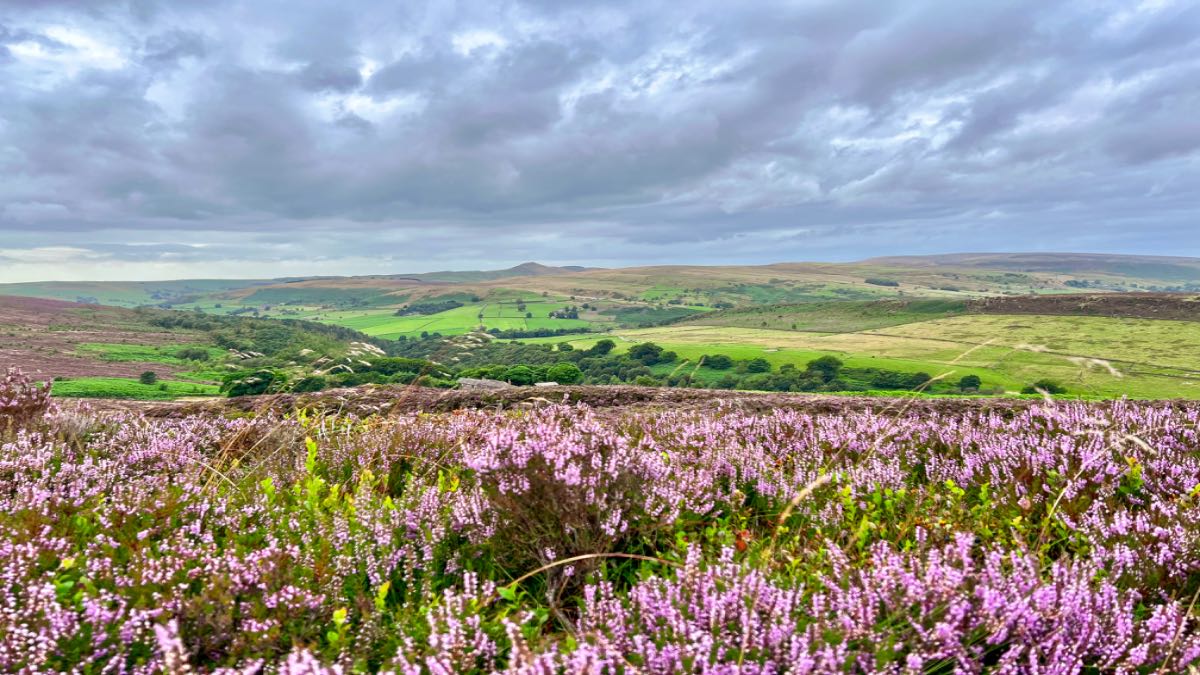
(23, 402)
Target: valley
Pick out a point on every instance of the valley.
(1009, 320)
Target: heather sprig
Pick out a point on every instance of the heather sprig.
(22, 400)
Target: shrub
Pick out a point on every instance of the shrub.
(22, 401)
(827, 367)
(758, 365)
(193, 354)
(564, 373)
(647, 352)
(148, 377)
(310, 384)
(519, 375)
(602, 347)
(970, 383)
(566, 485)
(1048, 386)
(718, 362)
(253, 383)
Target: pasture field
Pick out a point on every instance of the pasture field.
(503, 315)
(1097, 356)
(819, 536)
(144, 353)
(835, 316)
(129, 388)
(1136, 342)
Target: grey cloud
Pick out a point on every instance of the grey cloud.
(330, 77)
(168, 48)
(699, 129)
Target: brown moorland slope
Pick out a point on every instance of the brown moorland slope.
(43, 336)
(1171, 306)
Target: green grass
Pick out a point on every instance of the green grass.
(1091, 356)
(834, 316)
(142, 353)
(335, 297)
(119, 387)
(502, 315)
(124, 293)
(1138, 342)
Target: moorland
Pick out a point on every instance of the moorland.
(938, 465)
(1096, 326)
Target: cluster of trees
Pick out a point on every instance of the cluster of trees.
(274, 337)
(569, 312)
(522, 374)
(650, 364)
(516, 333)
(429, 307)
(379, 370)
(646, 364)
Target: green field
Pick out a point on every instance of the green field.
(117, 387)
(834, 316)
(1127, 343)
(501, 315)
(143, 353)
(1098, 357)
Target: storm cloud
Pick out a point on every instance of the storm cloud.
(152, 139)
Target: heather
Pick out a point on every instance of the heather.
(1062, 538)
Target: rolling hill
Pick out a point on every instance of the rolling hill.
(98, 351)
(1106, 325)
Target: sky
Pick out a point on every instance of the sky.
(209, 138)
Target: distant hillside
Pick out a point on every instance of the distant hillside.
(130, 293)
(186, 291)
(852, 316)
(542, 300)
(529, 269)
(1157, 267)
(93, 350)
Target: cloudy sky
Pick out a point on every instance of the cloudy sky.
(203, 138)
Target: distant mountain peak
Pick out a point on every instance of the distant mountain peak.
(534, 269)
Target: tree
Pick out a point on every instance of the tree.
(564, 373)
(647, 352)
(758, 365)
(1048, 386)
(827, 367)
(193, 354)
(602, 347)
(520, 375)
(718, 362)
(970, 383)
(148, 377)
(566, 347)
